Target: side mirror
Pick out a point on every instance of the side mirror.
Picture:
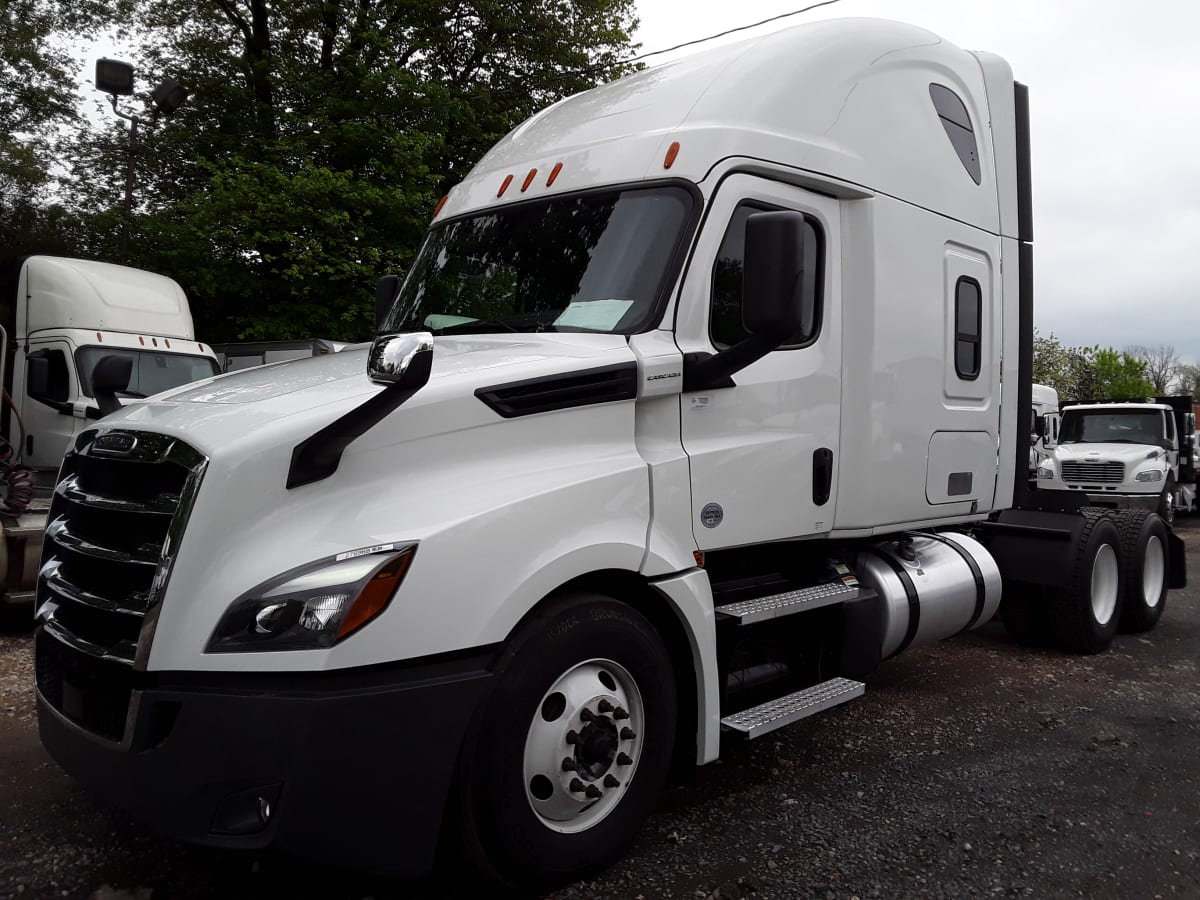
(774, 305)
(37, 377)
(401, 359)
(1039, 425)
(385, 292)
(110, 376)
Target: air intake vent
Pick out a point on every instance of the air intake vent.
(1093, 472)
(606, 384)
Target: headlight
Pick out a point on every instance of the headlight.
(1045, 473)
(314, 606)
(1152, 475)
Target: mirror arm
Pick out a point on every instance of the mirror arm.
(708, 371)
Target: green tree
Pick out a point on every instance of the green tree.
(318, 137)
(1119, 375)
(37, 91)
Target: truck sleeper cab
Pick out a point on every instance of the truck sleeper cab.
(688, 414)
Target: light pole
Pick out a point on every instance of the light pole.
(115, 78)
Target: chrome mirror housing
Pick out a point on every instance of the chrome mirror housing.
(393, 355)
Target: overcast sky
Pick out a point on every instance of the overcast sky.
(1115, 104)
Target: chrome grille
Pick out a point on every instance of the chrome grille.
(118, 513)
(1086, 471)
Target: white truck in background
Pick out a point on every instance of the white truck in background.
(1045, 425)
(67, 315)
(1125, 454)
(708, 392)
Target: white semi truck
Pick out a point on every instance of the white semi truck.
(1127, 454)
(66, 317)
(708, 391)
(1046, 418)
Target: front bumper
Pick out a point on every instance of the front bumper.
(1109, 499)
(355, 766)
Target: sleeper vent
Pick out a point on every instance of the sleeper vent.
(954, 119)
(606, 384)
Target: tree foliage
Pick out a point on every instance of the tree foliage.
(1088, 373)
(318, 137)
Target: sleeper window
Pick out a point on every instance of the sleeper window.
(968, 312)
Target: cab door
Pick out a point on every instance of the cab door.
(46, 403)
(763, 453)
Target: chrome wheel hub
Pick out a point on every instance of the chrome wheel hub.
(583, 745)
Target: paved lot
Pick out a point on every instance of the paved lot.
(976, 768)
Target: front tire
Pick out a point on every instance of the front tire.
(1166, 502)
(1084, 614)
(1144, 547)
(571, 750)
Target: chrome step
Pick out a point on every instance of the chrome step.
(773, 606)
(766, 717)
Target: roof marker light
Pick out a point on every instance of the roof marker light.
(141, 340)
(528, 180)
(154, 341)
(441, 203)
(554, 173)
(672, 152)
(504, 185)
(99, 337)
(167, 341)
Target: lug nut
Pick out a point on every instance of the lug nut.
(610, 781)
(624, 759)
(572, 737)
(593, 792)
(619, 714)
(604, 706)
(586, 714)
(627, 734)
(576, 786)
(568, 764)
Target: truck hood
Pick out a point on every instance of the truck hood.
(310, 393)
(1126, 453)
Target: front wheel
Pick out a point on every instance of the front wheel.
(572, 748)
(1166, 502)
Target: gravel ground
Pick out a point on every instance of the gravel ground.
(975, 768)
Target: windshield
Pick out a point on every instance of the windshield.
(1104, 427)
(152, 372)
(589, 262)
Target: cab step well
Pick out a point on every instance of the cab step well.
(773, 606)
(766, 717)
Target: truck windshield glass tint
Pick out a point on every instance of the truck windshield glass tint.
(590, 262)
(152, 372)
(1106, 427)
(725, 326)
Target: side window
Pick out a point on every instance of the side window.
(725, 316)
(968, 312)
(55, 383)
(1170, 426)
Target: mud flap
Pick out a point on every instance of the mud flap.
(1176, 561)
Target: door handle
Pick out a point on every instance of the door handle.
(822, 482)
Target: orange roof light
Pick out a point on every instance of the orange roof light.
(154, 341)
(441, 203)
(504, 186)
(672, 152)
(141, 340)
(167, 341)
(99, 337)
(528, 180)
(554, 173)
